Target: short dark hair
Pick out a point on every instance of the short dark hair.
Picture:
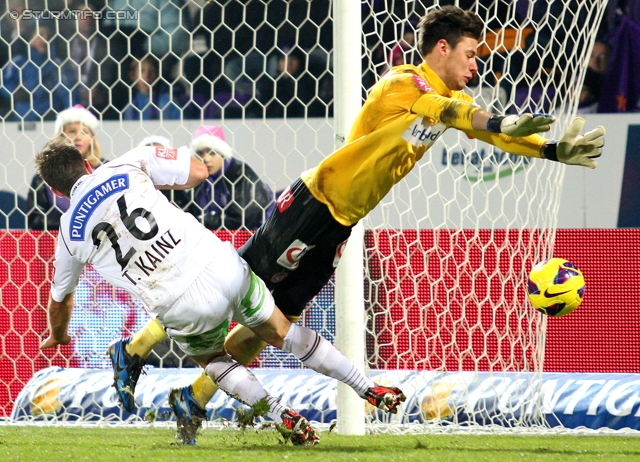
(60, 164)
(449, 23)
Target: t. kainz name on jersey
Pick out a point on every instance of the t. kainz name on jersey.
(90, 202)
(148, 261)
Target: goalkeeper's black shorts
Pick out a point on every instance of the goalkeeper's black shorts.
(297, 249)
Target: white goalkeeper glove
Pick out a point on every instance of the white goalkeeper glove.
(520, 125)
(574, 149)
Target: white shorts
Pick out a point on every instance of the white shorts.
(226, 290)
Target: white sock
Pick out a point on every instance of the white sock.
(239, 382)
(320, 355)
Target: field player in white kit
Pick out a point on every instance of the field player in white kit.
(188, 279)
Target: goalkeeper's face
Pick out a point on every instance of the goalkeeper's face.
(460, 65)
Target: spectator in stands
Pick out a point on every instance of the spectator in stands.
(291, 92)
(32, 80)
(86, 60)
(151, 97)
(621, 87)
(80, 126)
(208, 88)
(594, 77)
(158, 27)
(233, 196)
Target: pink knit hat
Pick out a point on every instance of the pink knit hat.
(211, 137)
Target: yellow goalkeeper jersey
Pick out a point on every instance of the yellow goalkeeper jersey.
(404, 114)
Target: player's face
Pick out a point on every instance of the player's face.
(460, 64)
(81, 137)
(212, 160)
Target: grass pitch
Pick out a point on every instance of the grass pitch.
(35, 443)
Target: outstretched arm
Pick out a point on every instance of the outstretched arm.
(465, 115)
(571, 149)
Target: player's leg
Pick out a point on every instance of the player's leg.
(128, 357)
(299, 221)
(198, 322)
(309, 347)
(244, 345)
(237, 381)
(241, 343)
(319, 354)
(291, 295)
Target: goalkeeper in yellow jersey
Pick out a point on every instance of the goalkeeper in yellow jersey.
(297, 249)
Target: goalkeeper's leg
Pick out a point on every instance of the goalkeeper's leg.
(318, 354)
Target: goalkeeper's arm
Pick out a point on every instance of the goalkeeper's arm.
(465, 115)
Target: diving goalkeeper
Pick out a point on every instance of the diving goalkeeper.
(299, 246)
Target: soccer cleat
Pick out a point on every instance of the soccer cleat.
(297, 429)
(126, 371)
(385, 398)
(189, 414)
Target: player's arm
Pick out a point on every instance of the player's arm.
(571, 149)
(59, 317)
(66, 275)
(467, 116)
(174, 168)
(529, 146)
(198, 172)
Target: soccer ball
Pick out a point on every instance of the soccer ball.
(556, 287)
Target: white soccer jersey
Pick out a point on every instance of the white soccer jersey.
(131, 234)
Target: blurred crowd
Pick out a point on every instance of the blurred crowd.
(166, 59)
(200, 59)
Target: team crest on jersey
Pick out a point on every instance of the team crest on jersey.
(167, 153)
(291, 257)
(422, 84)
(421, 132)
(90, 202)
(285, 200)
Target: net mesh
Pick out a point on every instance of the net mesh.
(447, 251)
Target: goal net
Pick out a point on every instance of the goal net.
(446, 253)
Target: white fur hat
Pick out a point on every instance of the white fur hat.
(155, 139)
(211, 137)
(77, 114)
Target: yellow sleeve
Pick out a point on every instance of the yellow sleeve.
(529, 146)
(456, 112)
